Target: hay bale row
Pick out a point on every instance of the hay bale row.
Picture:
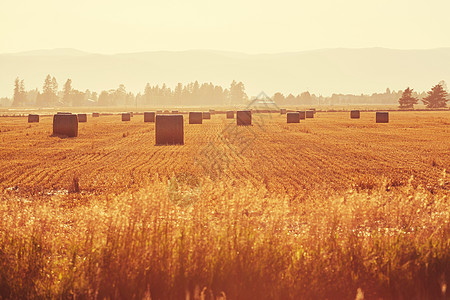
(283, 111)
(302, 115)
(33, 118)
(195, 117)
(244, 117)
(149, 117)
(82, 118)
(65, 124)
(230, 114)
(293, 117)
(95, 115)
(169, 130)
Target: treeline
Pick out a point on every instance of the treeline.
(307, 98)
(192, 94)
(196, 94)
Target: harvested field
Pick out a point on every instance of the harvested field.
(318, 209)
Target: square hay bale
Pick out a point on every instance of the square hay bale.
(65, 124)
(302, 115)
(95, 115)
(293, 117)
(82, 118)
(309, 114)
(382, 117)
(33, 118)
(244, 117)
(206, 115)
(159, 111)
(131, 114)
(283, 111)
(230, 114)
(175, 111)
(355, 114)
(169, 130)
(195, 117)
(126, 117)
(149, 116)
(212, 111)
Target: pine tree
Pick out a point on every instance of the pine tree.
(20, 94)
(148, 94)
(67, 92)
(47, 92)
(407, 100)
(437, 97)
(16, 99)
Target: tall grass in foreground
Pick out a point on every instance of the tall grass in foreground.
(173, 238)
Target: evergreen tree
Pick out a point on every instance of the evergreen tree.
(49, 90)
(407, 100)
(16, 98)
(177, 94)
(20, 95)
(67, 92)
(437, 97)
(54, 86)
(148, 94)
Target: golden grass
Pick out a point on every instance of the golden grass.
(316, 210)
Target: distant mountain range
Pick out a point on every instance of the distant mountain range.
(325, 71)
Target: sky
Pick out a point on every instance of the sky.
(252, 26)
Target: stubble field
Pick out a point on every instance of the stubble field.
(328, 208)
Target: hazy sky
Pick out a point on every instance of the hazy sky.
(252, 26)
